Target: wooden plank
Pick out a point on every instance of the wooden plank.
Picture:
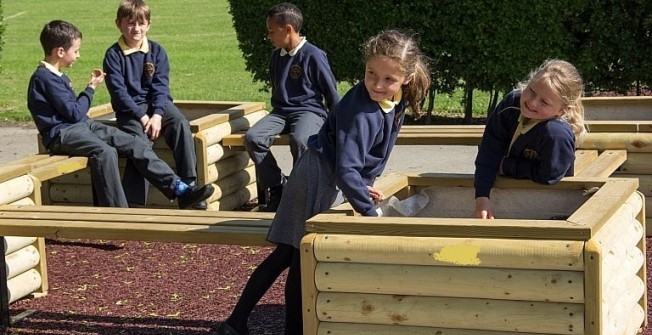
(59, 168)
(456, 281)
(236, 232)
(340, 328)
(82, 211)
(621, 126)
(16, 189)
(632, 142)
(43, 218)
(481, 314)
(9, 172)
(34, 160)
(439, 251)
(224, 112)
(448, 227)
(604, 203)
(584, 158)
(309, 290)
(42, 267)
(391, 183)
(605, 165)
(103, 110)
(621, 134)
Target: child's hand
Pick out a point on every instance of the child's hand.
(376, 194)
(483, 208)
(153, 127)
(97, 77)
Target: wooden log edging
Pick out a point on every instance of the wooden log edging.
(24, 258)
(415, 277)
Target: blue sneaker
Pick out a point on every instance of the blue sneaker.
(194, 195)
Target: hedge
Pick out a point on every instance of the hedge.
(487, 45)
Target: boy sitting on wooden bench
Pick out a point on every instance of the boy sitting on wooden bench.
(61, 119)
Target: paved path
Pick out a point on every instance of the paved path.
(17, 142)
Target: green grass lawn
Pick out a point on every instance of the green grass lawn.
(198, 36)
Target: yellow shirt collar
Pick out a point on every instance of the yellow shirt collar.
(387, 105)
(51, 68)
(524, 125)
(295, 50)
(127, 50)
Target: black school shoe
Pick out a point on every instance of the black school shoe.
(226, 329)
(194, 195)
(275, 195)
(202, 205)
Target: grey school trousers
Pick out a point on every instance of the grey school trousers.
(175, 130)
(259, 138)
(102, 144)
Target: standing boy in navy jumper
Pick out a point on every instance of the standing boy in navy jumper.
(137, 72)
(61, 119)
(301, 80)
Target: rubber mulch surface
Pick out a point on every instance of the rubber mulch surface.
(114, 287)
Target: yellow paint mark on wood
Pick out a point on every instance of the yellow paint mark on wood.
(459, 255)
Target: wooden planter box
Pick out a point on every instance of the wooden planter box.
(231, 172)
(618, 108)
(563, 259)
(25, 257)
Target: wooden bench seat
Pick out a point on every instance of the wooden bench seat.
(409, 135)
(140, 224)
(45, 166)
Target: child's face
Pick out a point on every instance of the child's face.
(540, 102)
(383, 77)
(134, 30)
(68, 57)
(277, 34)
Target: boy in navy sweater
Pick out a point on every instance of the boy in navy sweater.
(301, 80)
(61, 119)
(137, 71)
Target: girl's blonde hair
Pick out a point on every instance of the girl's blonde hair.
(564, 78)
(403, 49)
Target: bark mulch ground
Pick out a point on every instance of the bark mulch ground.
(139, 288)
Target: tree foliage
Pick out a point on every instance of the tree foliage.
(487, 45)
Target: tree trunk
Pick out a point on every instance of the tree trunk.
(468, 104)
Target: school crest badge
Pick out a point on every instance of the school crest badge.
(295, 71)
(530, 154)
(149, 69)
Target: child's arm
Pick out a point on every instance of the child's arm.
(160, 87)
(355, 135)
(56, 93)
(496, 138)
(326, 82)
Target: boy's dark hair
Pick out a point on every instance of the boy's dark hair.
(58, 34)
(133, 10)
(286, 13)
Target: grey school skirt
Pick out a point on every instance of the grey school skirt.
(310, 190)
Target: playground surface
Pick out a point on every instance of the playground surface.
(117, 287)
(18, 140)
